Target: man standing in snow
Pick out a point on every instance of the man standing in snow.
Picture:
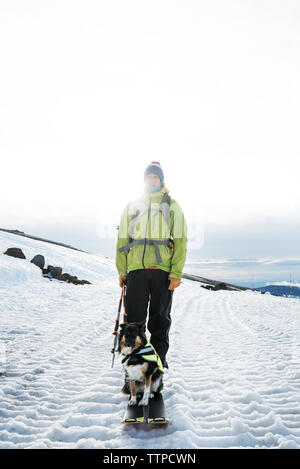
(150, 256)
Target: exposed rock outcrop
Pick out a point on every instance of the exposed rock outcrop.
(15, 252)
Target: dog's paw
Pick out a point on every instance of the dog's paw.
(151, 395)
(132, 400)
(144, 401)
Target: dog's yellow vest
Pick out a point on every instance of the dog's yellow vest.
(148, 354)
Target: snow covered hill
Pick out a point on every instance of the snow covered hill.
(234, 378)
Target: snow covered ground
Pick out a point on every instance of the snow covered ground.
(234, 378)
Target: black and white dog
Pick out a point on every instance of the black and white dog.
(142, 365)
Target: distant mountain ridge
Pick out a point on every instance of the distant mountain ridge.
(281, 290)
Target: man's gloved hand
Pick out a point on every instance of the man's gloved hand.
(122, 279)
(174, 283)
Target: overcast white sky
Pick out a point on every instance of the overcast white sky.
(92, 91)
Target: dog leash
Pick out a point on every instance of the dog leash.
(117, 323)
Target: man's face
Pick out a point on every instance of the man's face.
(152, 180)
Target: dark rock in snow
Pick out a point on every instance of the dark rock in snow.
(39, 261)
(56, 272)
(218, 286)
(15, 252)
(51, 272)
(208, 287)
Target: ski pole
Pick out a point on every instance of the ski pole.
(117, 323)
(124, 305)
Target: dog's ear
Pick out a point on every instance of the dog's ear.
(142, 327)
(123, 327)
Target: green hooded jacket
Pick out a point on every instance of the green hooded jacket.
(138, 223)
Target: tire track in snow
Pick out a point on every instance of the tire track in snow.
(280, 386)
(75, 376)
(236, 366)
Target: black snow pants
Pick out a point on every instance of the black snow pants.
(151, 286)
